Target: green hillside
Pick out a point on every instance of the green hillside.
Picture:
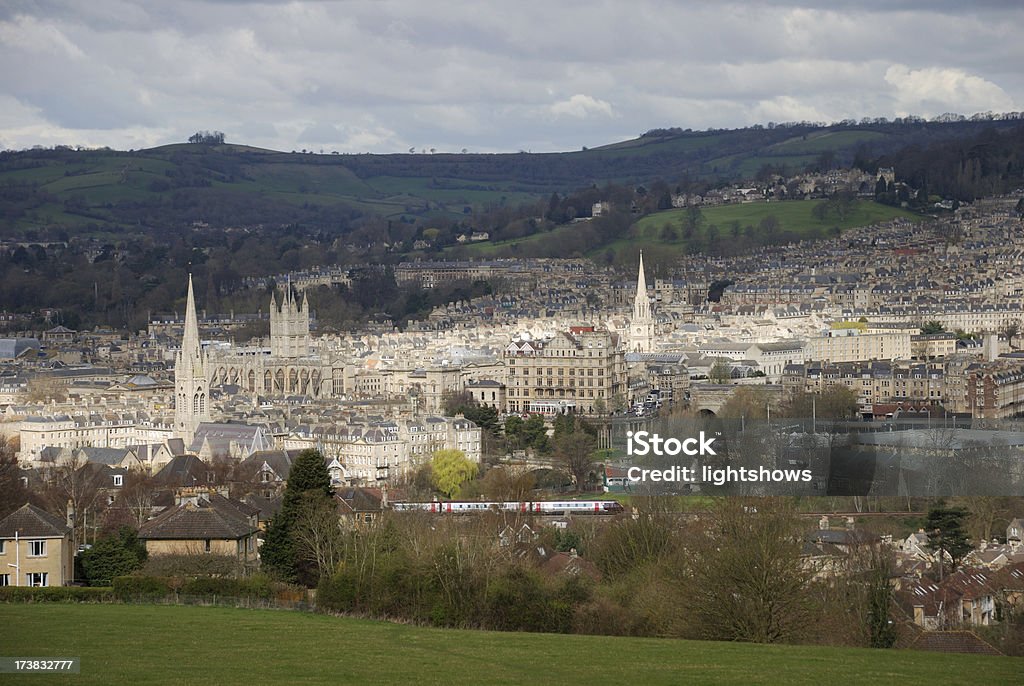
(718, 226)
(122, 644)
(231, 185)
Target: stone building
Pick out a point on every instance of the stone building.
(573, 371)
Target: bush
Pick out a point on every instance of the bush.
(138, 587)
(55, 594)
(518, 600)
(192, 565)
(254, 587)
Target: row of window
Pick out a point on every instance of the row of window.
(35, 548)
(31, 579)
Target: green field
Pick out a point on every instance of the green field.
(125, 644)
(794, 216)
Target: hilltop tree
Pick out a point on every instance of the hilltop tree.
(207, 138)
(308, 480)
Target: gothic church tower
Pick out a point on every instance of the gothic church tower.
(289, 325)
(191, 388)
(641, 327)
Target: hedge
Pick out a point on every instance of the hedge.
(136, 587)
(56, 594)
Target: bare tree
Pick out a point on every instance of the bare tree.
(749, 581)
(76, 485)
(13, 493)
(136, 496)
(575, 451)
(318, 535)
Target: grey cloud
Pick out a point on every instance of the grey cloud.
(449, 74)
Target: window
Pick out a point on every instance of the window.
(5, 579)
(2, 547)
(36, 548)
(119, 479)
(36, 579)
(206, 546)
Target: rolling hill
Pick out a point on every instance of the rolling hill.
(233, 185)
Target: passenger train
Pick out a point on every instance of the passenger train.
(541, 507)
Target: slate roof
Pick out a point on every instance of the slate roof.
(280, 461)
(213, 518)
(107, 456)
(13, 348)
(354, 499)
(182, 470)
(267, 507)
(30, 521)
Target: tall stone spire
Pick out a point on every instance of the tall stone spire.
(641, 327)
(191, 387)
(190, 345)
(641, 303)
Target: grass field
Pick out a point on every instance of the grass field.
(794, 216)
(124, 644)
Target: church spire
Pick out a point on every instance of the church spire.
(190, 341)
(641, 303)
(191, 388)
(641, 328)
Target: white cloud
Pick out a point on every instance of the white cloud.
(581, 107)
(933, 90)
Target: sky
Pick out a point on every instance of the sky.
(447, 75)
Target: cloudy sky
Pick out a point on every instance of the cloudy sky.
(387, 75)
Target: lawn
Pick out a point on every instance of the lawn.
(793, 215)
(120, 644)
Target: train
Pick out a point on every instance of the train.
(540, 507)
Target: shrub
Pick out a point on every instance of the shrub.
(55, 594)
(138, 587)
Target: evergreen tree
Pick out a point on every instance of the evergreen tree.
(946, 534)
(308, 475)
(113, 555)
